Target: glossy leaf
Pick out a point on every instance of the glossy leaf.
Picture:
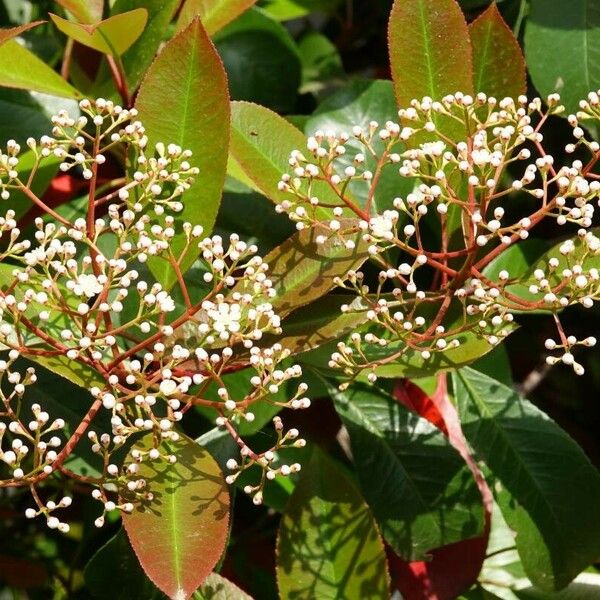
(359, 103)
(138, 58)
(498, 62)
(328, 544)
(20, 68)
(85, 11)
(257, 44)
(552, 498)
(26, 114)
(183, 100)
(585, 258)
(215, 14)
(261, 143)
(562, 48)
(116, 560)
(420, 490)
(430, 52)
(302, 270)
(112, 36)
(12, 32)
(179, 538)
(284, 10)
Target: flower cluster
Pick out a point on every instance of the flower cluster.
(478, 180)
(81, 288)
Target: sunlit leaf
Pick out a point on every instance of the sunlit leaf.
(328, 544)
(20, 68)
(562, 48)
(179, 537)
(112, 36)
(547, 489)
(499, 66)
(215, 14)
(85, 11)
(183, 100)
(419, 488)
(430, 52)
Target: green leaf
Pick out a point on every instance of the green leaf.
(112, 36)
(430, 52)
(552, 498)
(258, 44)
(12, 32)
(183, 100)
(328, 544)
(581, 256)
(216, 587)
(359, 103)
(318, 323)
(285, 10)
(26, 114)
(260, 147)
(117, 561)
(20, 68)
(302, 270)
(215, 14)
(562, 48)
(180, 535)
(85, 11)
(419, 488)
(69, 401)
(138, 58)
(498, 62)
(321, 62)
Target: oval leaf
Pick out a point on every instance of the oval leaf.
(179, 537)
(20, 68)
(302, 270)
(430, 52)
(419, 488)
(112, 36)
(498, 62)
(328, 545)
(547, 489)
(562, 45)
(215, 14)
(184, 100)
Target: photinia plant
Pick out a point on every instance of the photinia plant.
(183, 268)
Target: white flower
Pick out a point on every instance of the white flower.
(382, 225)
(226, 317)
(168, 387)
(87, 285)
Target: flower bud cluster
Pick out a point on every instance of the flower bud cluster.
(461, 154)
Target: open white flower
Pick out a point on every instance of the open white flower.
(87, 285)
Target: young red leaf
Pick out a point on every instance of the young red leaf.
(498, 62)
(215, 14)
(430, 52)
(85, 11)
(112, 36)
(179, 537)
(184, 100)
(8, 34)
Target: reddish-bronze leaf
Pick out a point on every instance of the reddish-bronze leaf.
(180, 535)
(8, 34)
(498, 62)
(430, 51)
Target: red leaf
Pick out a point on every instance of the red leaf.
(414, 398)
(452, 569)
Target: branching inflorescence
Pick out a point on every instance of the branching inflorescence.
(475, 198)
(78, 291)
